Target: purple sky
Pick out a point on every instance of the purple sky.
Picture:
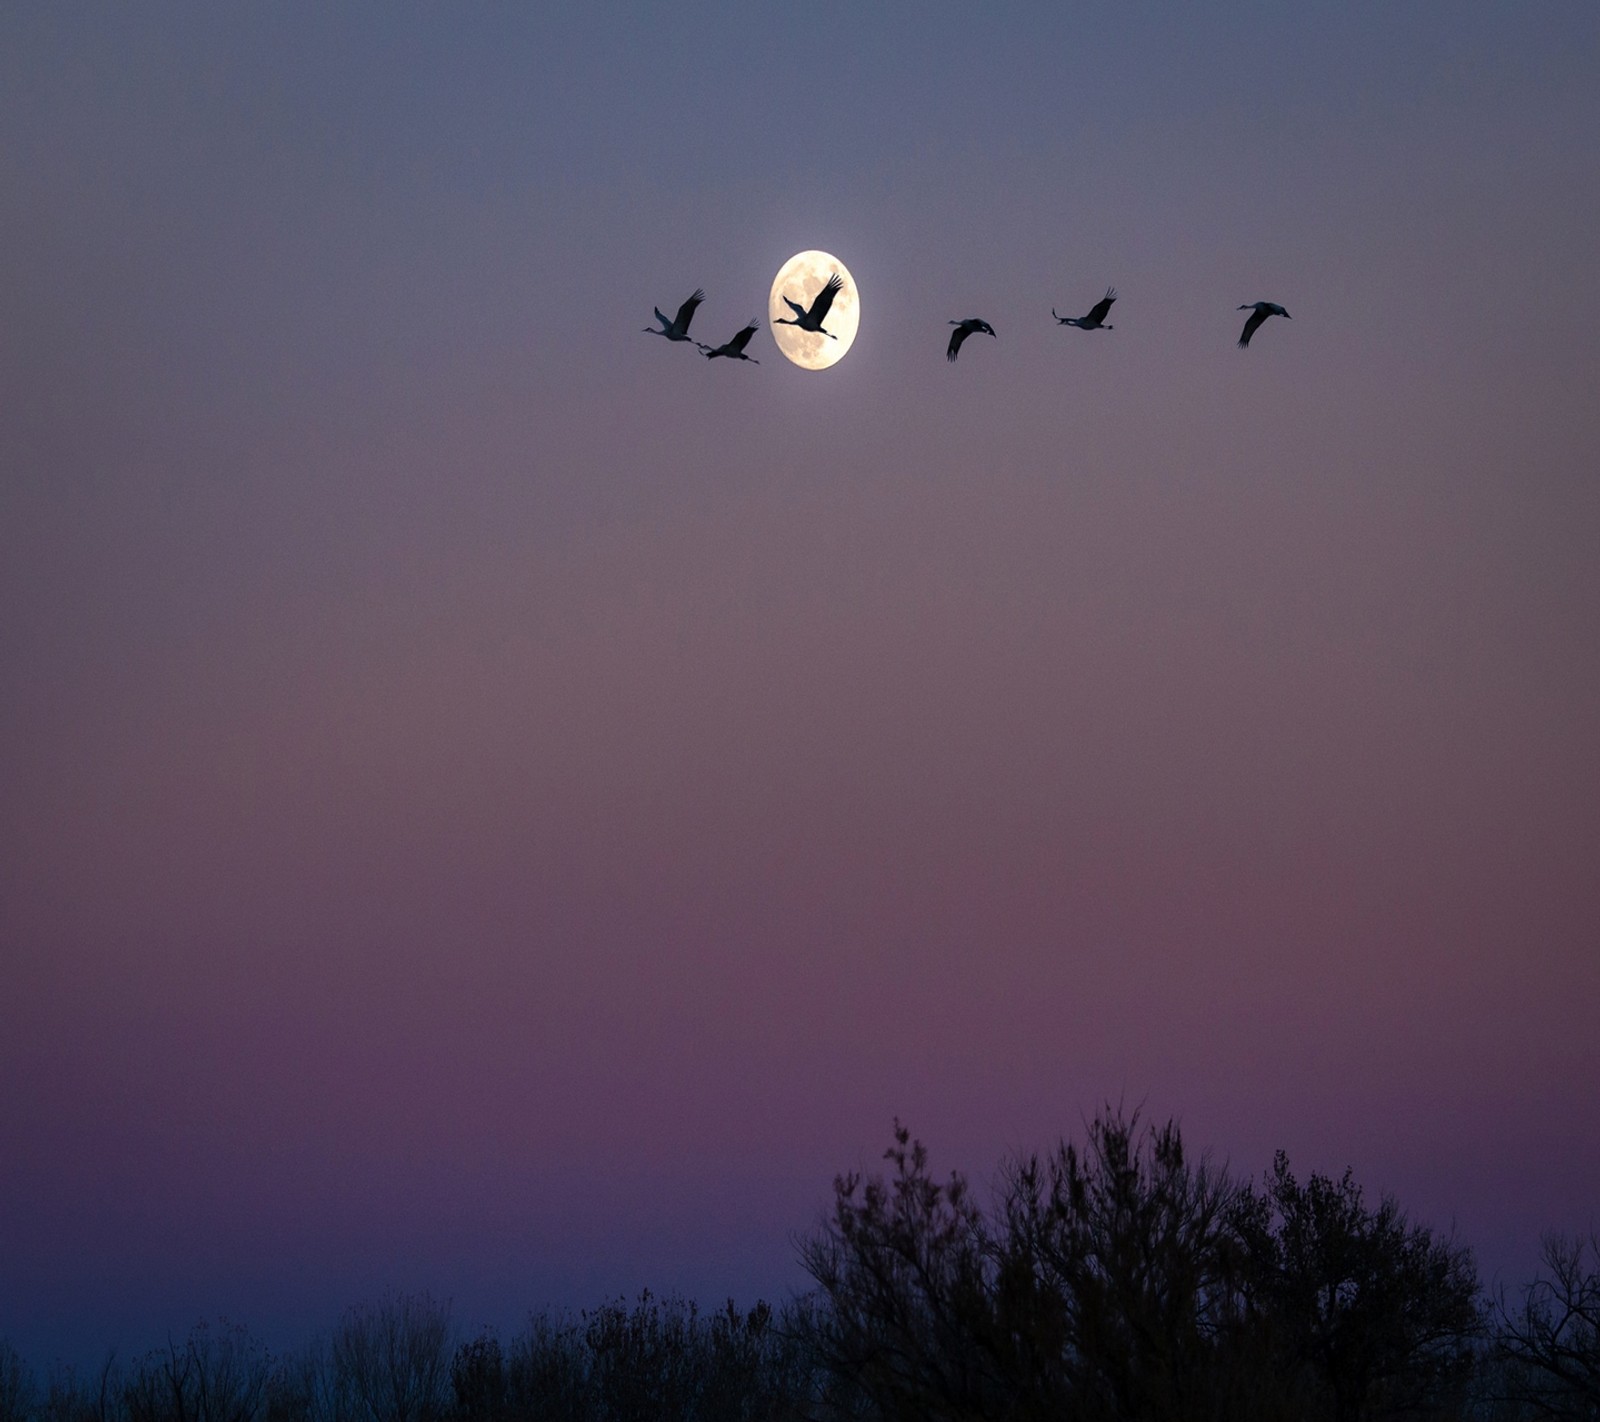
(494, 804)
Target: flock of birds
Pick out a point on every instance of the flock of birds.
(807, 318)
(810, 318)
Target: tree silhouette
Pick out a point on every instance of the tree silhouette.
(18, 1392)
(1550, 1343)
(1373, 1316)
(214, 1375)
(1125, 1280)
(391, 1361)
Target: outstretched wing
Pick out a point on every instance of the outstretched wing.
(1256, 318)
(686, 311)
(739, 342)
(824, 302)
(957, 336)
(1102, 308)
(796, 307)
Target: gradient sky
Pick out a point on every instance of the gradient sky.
(495, 804)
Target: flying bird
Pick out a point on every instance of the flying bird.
(1096, 319)
(812, 320)
(963, 329)
(677, 329)
(734, 349)
(1259, 311)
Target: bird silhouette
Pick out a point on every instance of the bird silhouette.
(1096, 319)
(733, 349)
(677, 329)
(963, 329)
(812, 320)
(1259, 311)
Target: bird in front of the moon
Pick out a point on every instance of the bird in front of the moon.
(1096, 319)
(810, 318)
(1259, 311)
(734, 347)
(963, 329)
(677, 329)
(813, 310)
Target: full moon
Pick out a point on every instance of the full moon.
(800, 279)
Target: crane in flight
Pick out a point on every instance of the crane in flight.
(963, 329)
(734, 348)
(811, 320)
(1096, 319)
(1259, 311)
(677, 329)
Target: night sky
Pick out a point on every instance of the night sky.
(497, 804)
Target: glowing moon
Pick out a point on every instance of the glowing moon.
(800, 279)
